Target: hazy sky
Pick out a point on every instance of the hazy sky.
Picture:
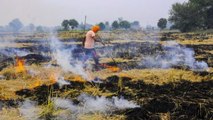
(52, 12)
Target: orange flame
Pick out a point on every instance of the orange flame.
(112, 68)
(79, 79)
(52, 78)
(37, 83)
(20, 65)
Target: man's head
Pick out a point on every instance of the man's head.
(95, 28)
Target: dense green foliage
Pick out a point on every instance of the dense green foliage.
(65, 24)
(124, 24)
(162, 23)
(192, 15)
(73, 23)
(115, 25)
(102, 25)
(15, 25)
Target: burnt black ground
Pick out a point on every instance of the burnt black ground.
(183, 100)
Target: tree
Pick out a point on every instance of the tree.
(31, 27)
(192, 15)
(135, 25)
(115, 25)
(162, 23)
(15, 25)
(39, 29)
(124, 24)
(205, 8)
(102, 25)
(65, 24)
(186, 17)
(107, 25)
(73, 23)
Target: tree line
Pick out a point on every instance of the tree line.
(16, 25)
(117, 24)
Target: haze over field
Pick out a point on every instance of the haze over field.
(52, 12)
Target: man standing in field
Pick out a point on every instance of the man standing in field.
(89, 45)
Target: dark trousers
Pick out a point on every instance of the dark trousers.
(91, 53)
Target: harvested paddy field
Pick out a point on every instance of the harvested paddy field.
(145, 76)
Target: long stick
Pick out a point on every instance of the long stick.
(101, 41)
(85, 22)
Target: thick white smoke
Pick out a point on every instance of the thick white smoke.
(175, 55)
(7, 48)
(29, 110)
(64, 58)
(61, 82)
(90, 104)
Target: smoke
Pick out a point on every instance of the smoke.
(63, 57)
(9, 48)
(87, 105)
(174, 55)
(61, 82)
(91, 104)
(14, 52)
(29, 110)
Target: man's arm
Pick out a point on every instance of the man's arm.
(98, 39)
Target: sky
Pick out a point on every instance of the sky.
(53, 12)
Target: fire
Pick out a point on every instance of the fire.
(20, 67)
(37, 83)
(112, 68)
(52, 78)
(79, 79)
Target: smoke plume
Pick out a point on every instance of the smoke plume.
(174, 55)
(61, 82)
(7, 50)
(91, 104)
(87, 105)
(29, 110)
(63, 57)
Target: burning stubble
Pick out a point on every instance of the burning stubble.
(20, 65)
